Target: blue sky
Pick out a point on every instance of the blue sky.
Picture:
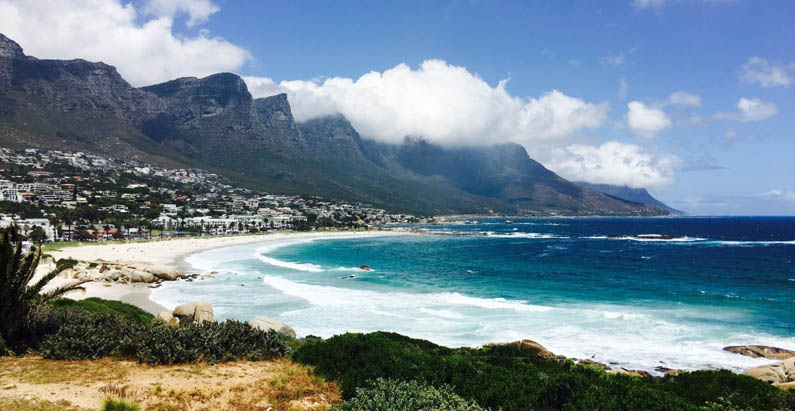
(723, 144)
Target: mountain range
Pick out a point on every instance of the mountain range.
(215, 123)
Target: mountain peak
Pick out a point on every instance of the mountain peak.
(10, 48)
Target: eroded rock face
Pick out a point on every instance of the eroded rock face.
(266, 324)
(782, 372)
(761, 351)
(203, 312)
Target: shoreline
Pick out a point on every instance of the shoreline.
(171, 253)
(175, 253)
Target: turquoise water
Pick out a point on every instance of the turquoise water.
(581, 287)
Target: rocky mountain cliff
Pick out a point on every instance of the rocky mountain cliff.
(214, 123)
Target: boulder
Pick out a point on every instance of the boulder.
(532, 347)
(203, 312)
(763, 351)
(266, 324)
(184, 312)
(164, 316)
(164, 272)
(782, 372)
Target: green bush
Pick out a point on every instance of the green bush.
(129, 312)
(87, 335)
(3, 349)
(115, 404)
(406, 396)
(503, 377)
(211, 342)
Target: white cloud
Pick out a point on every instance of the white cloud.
(612, 60)
(616, 59)
(145, 51)
(681, 98)
(759, 71)
(198, 11)
(646, 4)
(623, 88)
(780, 194)
(645, 121)
(577, 63)
(444, 104)
(752, 109)
(656, 4)
(615, 163)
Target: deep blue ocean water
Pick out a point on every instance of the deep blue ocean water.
(581, 287)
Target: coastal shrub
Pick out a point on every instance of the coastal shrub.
(386, 394)
(211, 342)
(129, 312)
(89, 336)
(504, 377)
(726, 387)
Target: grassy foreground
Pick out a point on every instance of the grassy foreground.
(102, 354)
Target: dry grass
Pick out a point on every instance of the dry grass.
(36, 405)
(36, 370)
(280, 385)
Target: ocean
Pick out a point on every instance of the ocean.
(598, 288)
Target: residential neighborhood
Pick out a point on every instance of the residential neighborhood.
(56, 195)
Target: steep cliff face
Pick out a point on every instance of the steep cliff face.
(73, 85)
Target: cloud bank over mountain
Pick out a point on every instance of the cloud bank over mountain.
(440, 102)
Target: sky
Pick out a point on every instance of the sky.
(691, 99)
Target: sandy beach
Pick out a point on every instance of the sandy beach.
(170, 253)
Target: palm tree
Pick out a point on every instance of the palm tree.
(19, 294)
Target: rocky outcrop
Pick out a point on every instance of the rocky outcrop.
(761, 351)
(534, 348)
(203, 312)
(267, 324)
(121, 272)
(782, 372)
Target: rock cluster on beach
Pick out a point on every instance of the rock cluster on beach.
(137, 272)
(202, 311)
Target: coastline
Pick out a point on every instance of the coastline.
(169, 253)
